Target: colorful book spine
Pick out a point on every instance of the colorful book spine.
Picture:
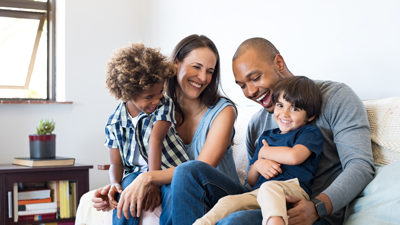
(34, 201)
(67, 203)
(38, 217)
(62, 199)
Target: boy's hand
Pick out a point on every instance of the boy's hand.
(152, 198)
(263, 149)
(114, 189)
(268, 168)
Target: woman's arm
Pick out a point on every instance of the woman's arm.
(219, 137)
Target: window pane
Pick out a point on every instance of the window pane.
(17, 43)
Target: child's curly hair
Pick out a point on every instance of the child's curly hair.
(134, 68)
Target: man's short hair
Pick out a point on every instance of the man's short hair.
(301, 92)
(264, 49)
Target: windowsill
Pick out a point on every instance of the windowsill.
(28, 102)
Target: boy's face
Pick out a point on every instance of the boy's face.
(288, 117)
(146, 101)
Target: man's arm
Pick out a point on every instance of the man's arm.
(348, 119)
(345, 115)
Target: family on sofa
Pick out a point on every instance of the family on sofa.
(204, 120)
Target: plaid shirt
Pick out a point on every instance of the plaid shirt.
(120, 132)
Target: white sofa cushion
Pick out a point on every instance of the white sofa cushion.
(384, 119)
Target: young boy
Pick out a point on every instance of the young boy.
(286, 158)
(140, 134)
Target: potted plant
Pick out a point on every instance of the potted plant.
(42, 145)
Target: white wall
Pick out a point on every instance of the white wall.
(355, 42)
(93, 29)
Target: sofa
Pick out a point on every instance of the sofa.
(378, 203)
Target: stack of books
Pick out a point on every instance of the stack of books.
(63, 192)
(55, 200)
(36, 205)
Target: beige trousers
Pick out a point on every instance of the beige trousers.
(270, 197)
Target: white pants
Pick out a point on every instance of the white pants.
(270, 197)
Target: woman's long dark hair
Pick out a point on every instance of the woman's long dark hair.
(211, 95)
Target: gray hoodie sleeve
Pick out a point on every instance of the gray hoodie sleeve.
(349, 133)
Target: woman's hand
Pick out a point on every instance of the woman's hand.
(100, 199)
(132, 197)
(152, 198)
(114, 189)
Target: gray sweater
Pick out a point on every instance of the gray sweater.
(346, 165)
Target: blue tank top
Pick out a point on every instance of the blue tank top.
(227, 164)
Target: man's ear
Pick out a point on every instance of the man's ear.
(311, 119)
(279, 63)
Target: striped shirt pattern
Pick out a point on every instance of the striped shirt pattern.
(122, 134)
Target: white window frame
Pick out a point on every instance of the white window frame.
(12, 8)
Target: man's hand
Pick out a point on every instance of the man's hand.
(302, 213)
(268, 168)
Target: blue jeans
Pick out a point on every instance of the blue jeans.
(195, 189)
(165, 201)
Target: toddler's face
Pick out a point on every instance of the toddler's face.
(147, 100)
(288, 117)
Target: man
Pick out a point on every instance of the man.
(346, 165)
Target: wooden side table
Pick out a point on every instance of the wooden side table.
(10, 174)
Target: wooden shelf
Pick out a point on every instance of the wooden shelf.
(10, 174)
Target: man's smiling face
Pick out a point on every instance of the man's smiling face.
(256, 77)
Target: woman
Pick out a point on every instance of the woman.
(204, 122)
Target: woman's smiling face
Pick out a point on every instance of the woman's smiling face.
(195, 72)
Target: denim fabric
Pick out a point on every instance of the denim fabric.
(251, 217)
(132, 220)
(195, 189)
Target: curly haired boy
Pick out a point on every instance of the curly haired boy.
(140, 134)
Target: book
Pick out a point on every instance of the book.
(58, 161)
(33, 194)
(54, 186)
(67, 208)
(33, 201)
(63, 199)
(38, 217)
(37, 206)
(15, 200)
(72, 198)
(38, 211)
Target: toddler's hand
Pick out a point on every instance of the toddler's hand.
(268, 168)
(263, 149)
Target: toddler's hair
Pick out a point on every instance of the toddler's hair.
(301, 92)
(134, 68)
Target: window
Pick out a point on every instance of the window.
(27, 53)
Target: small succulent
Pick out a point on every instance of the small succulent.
(45, 127)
